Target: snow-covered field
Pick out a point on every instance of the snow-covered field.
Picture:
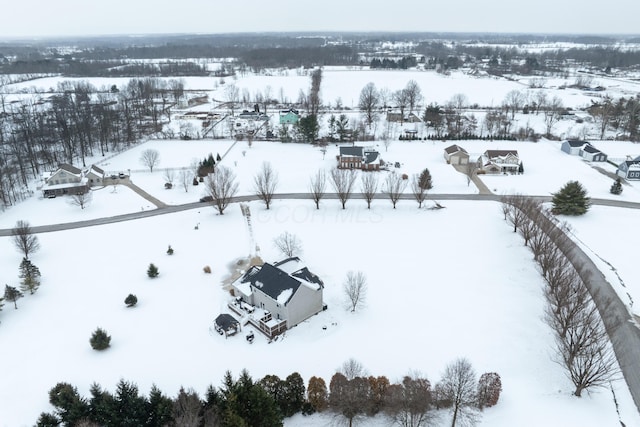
(443, 284)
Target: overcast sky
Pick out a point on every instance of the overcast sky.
(42, 18)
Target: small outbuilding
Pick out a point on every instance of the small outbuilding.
(456, 155)
(573, 146)
(227, 325)
(592, 154)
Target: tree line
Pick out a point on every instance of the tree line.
(351, 395)
(583, 347)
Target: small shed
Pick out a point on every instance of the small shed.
(456, 155)
(227, 325)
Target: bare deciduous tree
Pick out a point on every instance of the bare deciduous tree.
(187, 409)
(150, 158)
(369, 187)
(265, 183)
(394, 186)
(221, 186)
(317, 186)
(288, 244)
(513, 101)
(169, 176)
(470, 170)
(369, 102)
(420, 184)
(459, 387)
(24, 239)
(355, 289)
(342, 181)
(409, 403)
(414, 94)
(552, 114)
(352, 369)
(81, 199)
(185, 179)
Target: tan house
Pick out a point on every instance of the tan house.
(499, 161)
(456, 155)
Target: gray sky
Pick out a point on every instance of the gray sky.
(41, 18)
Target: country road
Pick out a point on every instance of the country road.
(623, 330)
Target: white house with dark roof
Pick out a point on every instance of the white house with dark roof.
(499, 161)
(629, 169)
(592, 154)
(573, 146)
(68, 179)
(286, 292)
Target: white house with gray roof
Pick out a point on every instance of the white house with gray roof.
(286, 290)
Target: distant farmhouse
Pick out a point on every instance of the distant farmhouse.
(278, 296)
(359, 158)
(499, 161)
(289, 117)
(629, 169)
(68, 179)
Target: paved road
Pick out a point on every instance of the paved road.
(623, 330)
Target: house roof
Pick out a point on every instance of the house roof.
(352, 151)
(576, 143)
(454, 149)
(289, 111)
(591, 149)
(272, 281)
(371, 157)
(69, 168)
(492, 154)
(225, 321)
(96, 170)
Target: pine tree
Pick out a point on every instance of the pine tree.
(159, 408)
(616, 187)
(100, 340)
(30, 276)
(169, 250)
(571, 200)
(12, 294)
(152, 271)
(131, 300)
(218, 158)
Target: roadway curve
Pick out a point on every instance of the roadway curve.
(623, 330)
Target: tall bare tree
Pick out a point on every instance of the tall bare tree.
(513, 101)
(355, 289)
(82, 199)
(414, 95)
(342, 181)
(24, 239)
(401, 100)
(420, 184)
(265, 183)
(552, 114)
(150, 158)
(221, 186)
(369, 102)
(369, 187)
(288, 244)
(317, 186)
(394, 186)
(314, 92)
(459, 387)
(186, 179)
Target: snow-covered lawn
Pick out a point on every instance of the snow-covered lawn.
(434, 295)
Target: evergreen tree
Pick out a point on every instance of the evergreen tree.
(29, 275)
(102, 405)
(293, 395)
(100, 340)
(218, 158)
(169, 250)
(159, 408)
(12, 294)
(571, 200)
(131, 300)
(245, 403)
(70, 407)
(47, 420)
(130, 406)
(152, 271)
(616, 187)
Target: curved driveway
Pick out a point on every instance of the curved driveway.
(623, 330)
